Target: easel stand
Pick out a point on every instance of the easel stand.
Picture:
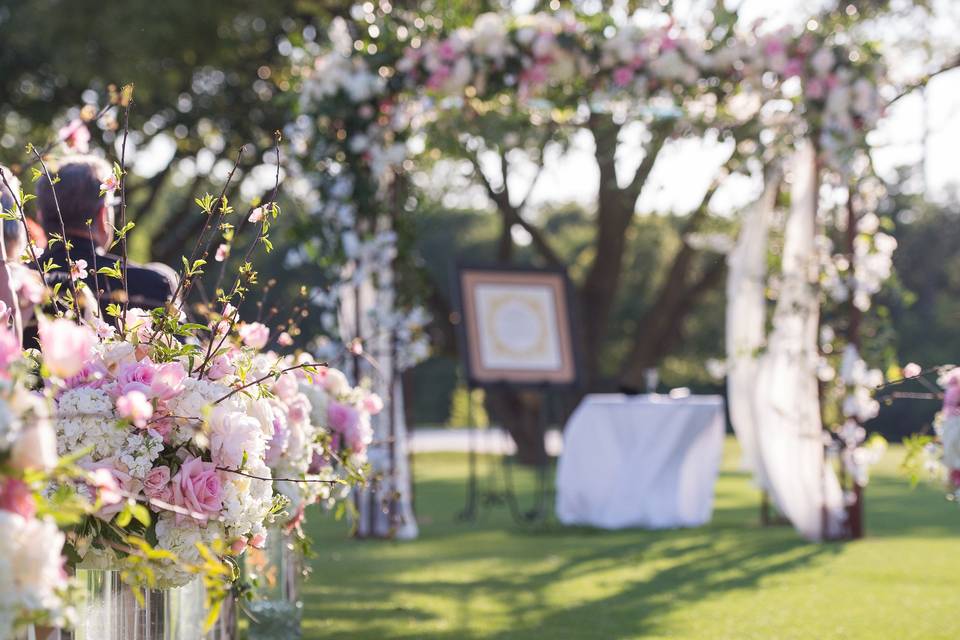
(539, 513)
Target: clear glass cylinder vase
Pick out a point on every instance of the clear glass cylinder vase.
(276, 611)
(111, 611)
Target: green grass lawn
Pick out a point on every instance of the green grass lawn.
(731, 579)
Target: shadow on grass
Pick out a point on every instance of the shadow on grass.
(492, 579)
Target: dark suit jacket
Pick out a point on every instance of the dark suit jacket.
(147, 288)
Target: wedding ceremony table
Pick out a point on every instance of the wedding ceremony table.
(645, 461)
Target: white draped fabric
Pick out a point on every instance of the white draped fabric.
(640, 461)
(786, 401)
(746, 321)
(362, 304)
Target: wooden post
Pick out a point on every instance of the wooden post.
(855, 527)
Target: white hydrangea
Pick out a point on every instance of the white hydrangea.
(85, 418)
(246, 501)
(191, 405)
(31, 575)
(181, 539)
(139, 451)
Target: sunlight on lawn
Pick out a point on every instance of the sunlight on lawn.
(732, 579)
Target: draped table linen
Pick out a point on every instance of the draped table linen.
(640, 461)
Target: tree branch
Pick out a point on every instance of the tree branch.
(510, 213)
(925, 80)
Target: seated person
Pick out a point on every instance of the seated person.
(78, 195)
(9, 302)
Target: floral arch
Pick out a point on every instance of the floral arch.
(795, 103)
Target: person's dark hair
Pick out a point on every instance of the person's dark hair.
(78, 192)
(12, 238)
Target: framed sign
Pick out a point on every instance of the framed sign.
(516, 326)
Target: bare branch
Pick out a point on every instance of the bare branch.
(925, 80)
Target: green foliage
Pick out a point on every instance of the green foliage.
(467, 409)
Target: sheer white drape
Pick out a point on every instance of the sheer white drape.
(388, 461)
(746, 321)
(785, 421)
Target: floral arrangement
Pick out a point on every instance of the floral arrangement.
(321, 431)
(937, 455)
(185, 438)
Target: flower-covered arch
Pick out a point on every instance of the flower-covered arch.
(384, 77)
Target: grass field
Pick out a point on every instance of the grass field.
(731, 579)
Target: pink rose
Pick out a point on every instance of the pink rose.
(36, 447)
(16, 497)
(92, 375)
(136, 376)
(255, 335)
(113, 488)
(162, 426)
(168, 381)
(286, 386)
(157, 483)
(196, 487)
(373, 404)
(135, 406)
(284, 339)
(220, 366)
(9, 348)
(342, 418)
(65, 346)
(298, 409)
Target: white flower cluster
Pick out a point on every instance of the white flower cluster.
(85, 419)
(181, 538)
(862, 275)
(31, 570)
(860, 381)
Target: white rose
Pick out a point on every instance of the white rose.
(233, 434)
(336, 383)
(36, 448)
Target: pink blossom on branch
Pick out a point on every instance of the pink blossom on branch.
(75, 136)
(255, 335)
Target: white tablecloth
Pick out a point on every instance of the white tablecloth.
(640, 461)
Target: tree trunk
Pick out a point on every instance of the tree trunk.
(520, 413)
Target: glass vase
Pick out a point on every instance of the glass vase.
(276, 610)
(111, 611)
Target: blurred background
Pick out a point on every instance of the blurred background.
(212, 76)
